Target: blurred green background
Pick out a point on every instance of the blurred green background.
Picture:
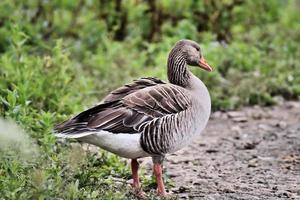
(62, 56)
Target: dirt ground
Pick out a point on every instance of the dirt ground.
(252, 154)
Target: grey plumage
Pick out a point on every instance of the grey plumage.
(163, 114)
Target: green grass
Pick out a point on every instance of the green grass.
(67, 57)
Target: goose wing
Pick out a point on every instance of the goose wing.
(128, 111)
(127, 89)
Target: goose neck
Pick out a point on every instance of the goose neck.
(178, 72)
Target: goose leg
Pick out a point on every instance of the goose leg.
(136, 182)
(157, 169)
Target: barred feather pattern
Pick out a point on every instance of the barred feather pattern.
(168, 134)
(178, 72)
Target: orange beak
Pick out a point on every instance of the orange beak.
(204, 65)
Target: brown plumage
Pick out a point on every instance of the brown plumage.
(148, 117)
(128, 107)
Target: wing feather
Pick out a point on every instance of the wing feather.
(129, 108)
(127, 89)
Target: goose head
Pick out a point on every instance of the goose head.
(192, 53)
(185, 52)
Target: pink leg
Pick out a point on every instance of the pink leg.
(159, 180)
(136, 182)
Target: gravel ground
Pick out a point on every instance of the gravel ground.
(252, 154)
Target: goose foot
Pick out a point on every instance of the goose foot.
(139, 193)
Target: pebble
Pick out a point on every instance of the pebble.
(212, 151)
(240, 119)
(257, 115)
(202, 144)
(291, 105)
(270, 137)
(228, 190)
(237, 129)
(201, 182)
(235, 114)
(250, 145)
(252, 163)
(284, 194)
(216, 114)
(176, 173)
(265, 127)
(281, 124)
(182, 189)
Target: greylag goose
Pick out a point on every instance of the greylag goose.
(149, 117)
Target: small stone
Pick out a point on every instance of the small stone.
(234, 114)
(200, 182)
(183, 189)
(183, 196)
(270, 137)
(237, 116)
(202, 144)
(224, 116)
(284, 194)
(288, 167)
(212, 151)
(250, 145)
(275, 188)
(228, 190)
(237, 129)
(268, 158)
(257, 115)
(291, 105)
(281, 124)
(265, 127)
(176, 173)
(252, 163)
(130, 181)
(247, 145)
(181, 159)
(217, 114)
(237, 137)
(240, 119)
